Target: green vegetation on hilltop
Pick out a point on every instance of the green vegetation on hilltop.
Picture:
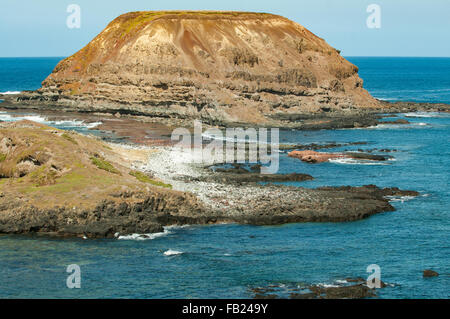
(146, 179)
(101, 163)
(131, 22)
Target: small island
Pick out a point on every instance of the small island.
(225, 68)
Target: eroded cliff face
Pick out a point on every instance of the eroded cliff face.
(222, 67)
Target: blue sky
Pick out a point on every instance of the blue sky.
(408, 27)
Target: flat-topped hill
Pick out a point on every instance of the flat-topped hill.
(223, 67)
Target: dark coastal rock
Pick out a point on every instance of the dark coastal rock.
(238, 173)
(360, 280)
(427, 273)
(259, 296)
(292, 205)
(294, 295)
(357, 279)
(393, 191)
(241, 175)
(233, 170)
(373, 190)
(314, 157)
(356, 290)
(337, 205)
(366, 156)
(404, 106)
(314, 146)
(326, 121)
(107, 219)
(256, 177)
(399, 121)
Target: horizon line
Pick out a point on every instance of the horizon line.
(345, 56)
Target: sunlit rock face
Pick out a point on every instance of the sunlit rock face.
(222, 67)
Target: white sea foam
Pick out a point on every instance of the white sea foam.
(175, 227)
(399, 198)
(424, 114)
(167, 231)
(171, 252)
(396, 126)
(325, 285)
(352, 161)
(146, 236)
(4, 116)
(10, 92)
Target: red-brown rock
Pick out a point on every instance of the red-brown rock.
(314, 157)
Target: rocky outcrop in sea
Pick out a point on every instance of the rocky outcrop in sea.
(221, 67)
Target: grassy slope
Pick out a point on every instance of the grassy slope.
(50, 167)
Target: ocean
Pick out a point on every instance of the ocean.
(226, 261)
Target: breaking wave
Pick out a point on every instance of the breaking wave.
(67, 124)
(171, 252)
(10, 93)
(399, 198)
(167, 231)
(144, 236)
(425, 114)
(352, 161)
(397, 126)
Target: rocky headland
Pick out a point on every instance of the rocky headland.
(61, 183)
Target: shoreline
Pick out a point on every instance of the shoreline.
(197, 196)
(223, 197)
(324, 119)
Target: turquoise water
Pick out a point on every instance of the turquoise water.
(406, 79)
(224, 261)
(20, 74)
